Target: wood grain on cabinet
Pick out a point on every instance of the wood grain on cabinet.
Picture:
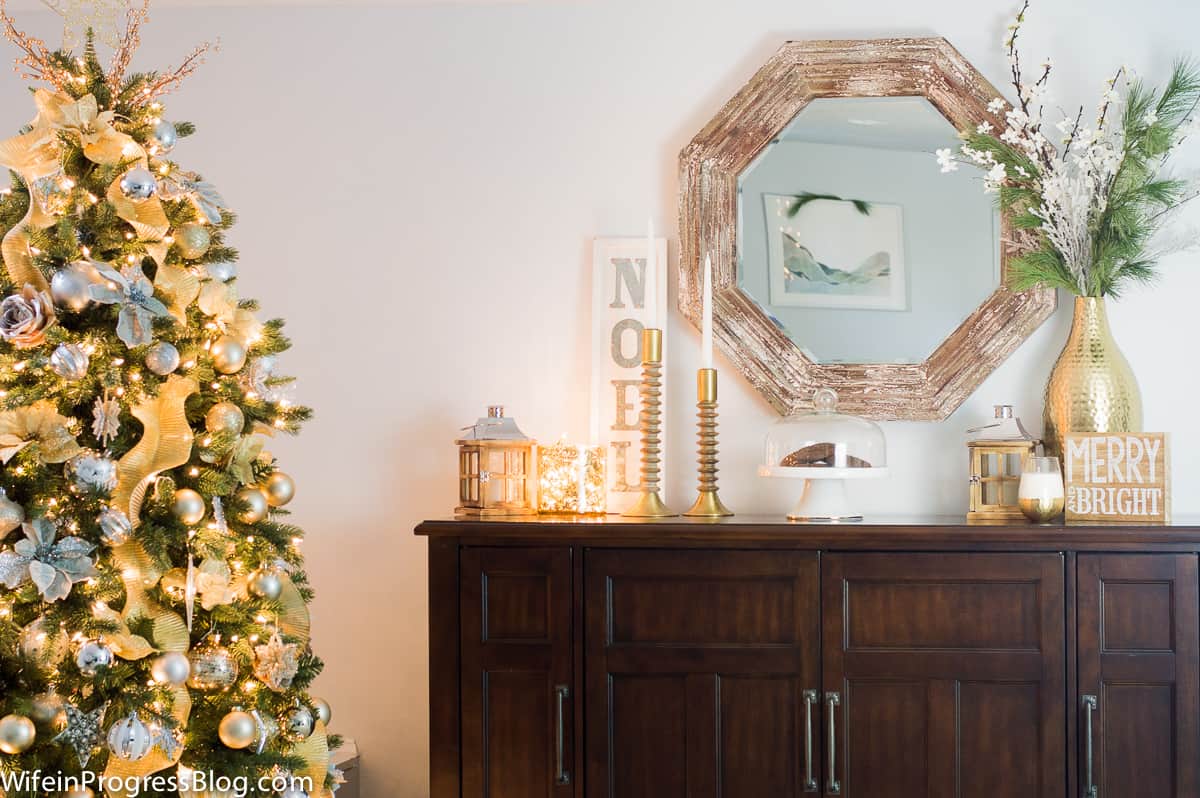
(948, 673)
(517, 673)
(696, 667)
(1138, 658)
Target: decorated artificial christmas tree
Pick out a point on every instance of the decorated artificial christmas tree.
(153, 618)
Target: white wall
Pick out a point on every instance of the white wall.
(418, 188)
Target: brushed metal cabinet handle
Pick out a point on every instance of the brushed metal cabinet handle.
(561, 775)
(810, 781)
(1090, 705)
(832, 785)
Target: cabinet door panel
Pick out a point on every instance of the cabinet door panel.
(516, 607)
(949, 672)
(1138, 630)
(697, 666)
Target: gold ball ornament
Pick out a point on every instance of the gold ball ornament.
(80, 792)
(224, 417)
(238, 730)
(17, 733)
(265, 583)
(49, 711)
(189, 506)
(256, 505)
(323, 711)
(193, 240)
(280, 489)
(228, 354)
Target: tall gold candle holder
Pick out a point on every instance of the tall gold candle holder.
(650, 503)
(708, 503)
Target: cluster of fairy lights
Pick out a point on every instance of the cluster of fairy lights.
(571, 479)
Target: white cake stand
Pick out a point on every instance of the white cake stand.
(824, 497)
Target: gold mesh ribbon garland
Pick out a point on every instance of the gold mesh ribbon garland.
(166, 443)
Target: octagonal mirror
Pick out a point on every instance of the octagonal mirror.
(842, 257)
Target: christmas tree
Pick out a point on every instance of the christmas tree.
(153, 606)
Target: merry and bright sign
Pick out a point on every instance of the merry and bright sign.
(1117, 477)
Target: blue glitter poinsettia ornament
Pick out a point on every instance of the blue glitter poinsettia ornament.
(54, 567)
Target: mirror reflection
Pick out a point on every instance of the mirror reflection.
(851, 239)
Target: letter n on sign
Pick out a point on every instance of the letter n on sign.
(623, 275)
(1117, 477)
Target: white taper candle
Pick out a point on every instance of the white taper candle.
(706, 323)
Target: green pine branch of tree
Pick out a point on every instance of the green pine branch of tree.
(86, 227)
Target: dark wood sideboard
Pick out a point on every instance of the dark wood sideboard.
(751, 658)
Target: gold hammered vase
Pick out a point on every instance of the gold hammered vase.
(1091, 387)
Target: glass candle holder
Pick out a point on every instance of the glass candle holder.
(572, 478)
(1041, 495)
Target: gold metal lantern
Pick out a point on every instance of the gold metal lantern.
(997, 457)
(496, 474)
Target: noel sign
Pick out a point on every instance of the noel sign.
(1117, 477)
(629, 293)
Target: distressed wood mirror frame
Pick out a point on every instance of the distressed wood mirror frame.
(709, 167)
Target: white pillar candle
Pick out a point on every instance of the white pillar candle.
(1047, 487)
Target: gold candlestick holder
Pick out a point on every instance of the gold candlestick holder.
(650, 503)
(708, 503)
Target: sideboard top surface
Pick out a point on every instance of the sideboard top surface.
(949, 533)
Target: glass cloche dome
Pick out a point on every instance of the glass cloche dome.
(824, 447)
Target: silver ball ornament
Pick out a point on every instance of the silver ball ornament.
(43, 646)
(265, 583)
(69, 361)
(162, 358)
(130, 739)
(323, 710)
(90, 470)
(172, 668)
(165, 136)
(17, 734)
(11, 514)
(115, 526)
(213, 668)
(228, 354)
(49, 711)
(238, 729)
(293, 791)
(268, 731)
(299, 722)
(222, 272)
(193, 240)
(71, 285)
(189, 506)
(138, 184)
(224, 417)
(256, 505)
(93, 657)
